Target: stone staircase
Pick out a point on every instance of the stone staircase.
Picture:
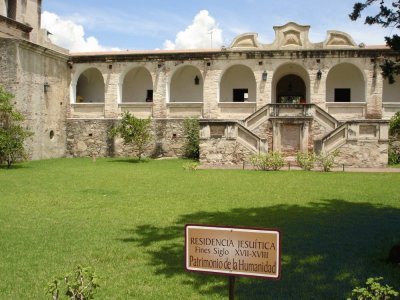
(307, 126)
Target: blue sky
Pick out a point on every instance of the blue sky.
(150, 24)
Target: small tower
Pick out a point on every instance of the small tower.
(20, 19)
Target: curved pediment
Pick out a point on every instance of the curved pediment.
(246, 40)
(339, 39)
(291, 35)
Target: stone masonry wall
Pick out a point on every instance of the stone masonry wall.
(222, 151)
(90, 138)
(363, 154)
(25, 68)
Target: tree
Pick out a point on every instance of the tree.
(12, 134)
(134, 131)
(387, 16)
(192, 133)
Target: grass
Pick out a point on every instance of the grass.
(126, 219)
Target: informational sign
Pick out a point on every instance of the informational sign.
(233, 251)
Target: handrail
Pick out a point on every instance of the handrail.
(259, 147)
(334, 122)
(332, 135)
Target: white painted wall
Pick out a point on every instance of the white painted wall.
(135, 85)
(391, 92)
(237, 77)
(90, 87)
(343, 76)
(183, 89)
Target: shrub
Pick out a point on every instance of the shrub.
(327, 160)
(394, 123)
(394, 156)
(190, 166)
(192, 135)
(12, 134)
(269, 161)
(133, 131)
(80, 284)
(305, 160)
(373, 291)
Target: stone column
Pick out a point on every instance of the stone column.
(318, 87)
(160, 92)
(111, 92)
(210, 94)
(263, 89)
(374, 90)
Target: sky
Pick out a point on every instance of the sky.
(103, 25)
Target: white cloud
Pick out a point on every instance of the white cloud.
(70, 35)
(198, 34)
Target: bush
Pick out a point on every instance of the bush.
(190, 166)
(394, 130)
(191, 148)
(133, 131)
(80, 284)
(394, 156)
(327, 160)
(269, 161)
(12, 134)
(305, 160)
(394, 123)
(373, 291)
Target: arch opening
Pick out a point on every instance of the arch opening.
(290, 84)
(90, 87)
(186, 85)
(291, 89)
(391, 92)
(137, 86)
(238, 84)
(345, 83)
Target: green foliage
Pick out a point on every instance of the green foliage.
(327, 160)
(12, 134)
(374, 291)
(192, 134)
(80, 284)
(393, 156)
(394, 124)
(191, 166)
(270, 161)
(134, 131)
(305, 160)
(387, 16)
(394, 131)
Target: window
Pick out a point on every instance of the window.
(342, 95)
(240, 95)
(12, 9)
(149, 96)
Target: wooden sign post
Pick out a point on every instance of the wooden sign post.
(233, 251)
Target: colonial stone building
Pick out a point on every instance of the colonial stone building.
(287, 96)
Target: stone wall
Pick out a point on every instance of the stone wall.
(363, 154)
(223, 151)
(90, 138)
(25, 68)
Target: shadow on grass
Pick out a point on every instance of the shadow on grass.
(14, 167)
(327, 248)
(131, 160)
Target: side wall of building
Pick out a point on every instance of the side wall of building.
(25, 70)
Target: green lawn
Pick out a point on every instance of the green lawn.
(127, 220)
